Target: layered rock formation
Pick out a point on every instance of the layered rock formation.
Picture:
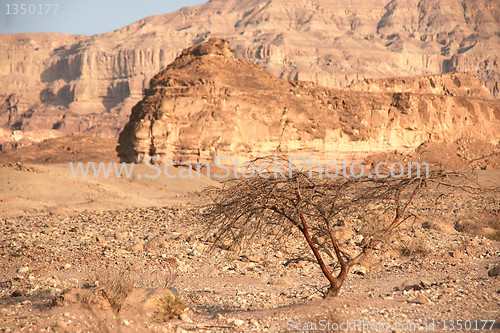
(68, 83)
(207, 103)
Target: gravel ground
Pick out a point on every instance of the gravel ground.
(47, 259)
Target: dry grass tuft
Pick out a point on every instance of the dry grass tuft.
(116, 285)
(171, 272)
(480, 226)
(414, 248)
(495, 236)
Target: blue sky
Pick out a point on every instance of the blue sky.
(85, 17)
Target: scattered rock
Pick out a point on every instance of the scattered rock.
(445, 280)
(153, 243)
(185, 317)
(136, 247)
(23, 270)
(238, 322)
(120, 235)
(422, 299)
(359, 270)
(61, 324)
(425, 284)
(135, 267)
(174, 291)
(18, 293)
(255, 258)
(456, 254)
(281, 281)
(225, 244)
(495, 271)
(94, 298)
(410, 285)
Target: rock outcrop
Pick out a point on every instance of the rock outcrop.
(88, 84)
(207, 103)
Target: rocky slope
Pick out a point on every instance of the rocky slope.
(62, 83)
(207, 103)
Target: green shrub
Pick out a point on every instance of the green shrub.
(169, 307)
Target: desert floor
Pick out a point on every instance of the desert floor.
(72, 249)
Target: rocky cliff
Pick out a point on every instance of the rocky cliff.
(207, 103)
(62, 83)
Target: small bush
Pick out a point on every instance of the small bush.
(116, 286)
(479, 226)
(171, 272)
(494, 235)
(415, 248)
(169, 307)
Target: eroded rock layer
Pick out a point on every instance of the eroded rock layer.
(53, 84)
(207, 103)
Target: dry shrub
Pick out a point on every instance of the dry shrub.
(416, 247)
(169, 307)
(171, 272)
(469, 226)
(116, 285)
(322, 208)
(479, 226)
(495, 236)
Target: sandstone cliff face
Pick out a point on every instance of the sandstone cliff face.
(67, 83)
(207, 104)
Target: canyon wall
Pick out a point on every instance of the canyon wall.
(207, 103)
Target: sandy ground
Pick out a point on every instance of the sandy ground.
(52, 188)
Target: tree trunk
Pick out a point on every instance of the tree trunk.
(333, 291)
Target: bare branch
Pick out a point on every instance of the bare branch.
(325, 208)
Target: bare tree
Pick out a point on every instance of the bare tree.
(269, 206)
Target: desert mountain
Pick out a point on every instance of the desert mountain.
(207, 103)
(52, 84)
